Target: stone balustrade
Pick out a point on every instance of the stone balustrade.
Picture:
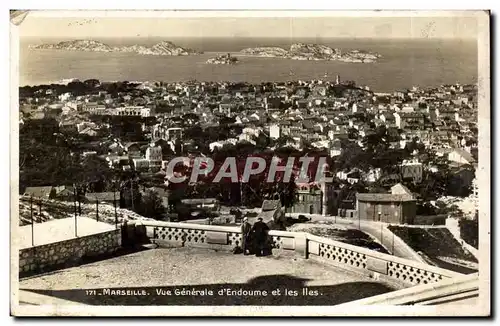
(377, 265)
(449, 291)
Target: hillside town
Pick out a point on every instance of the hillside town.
(415, 147)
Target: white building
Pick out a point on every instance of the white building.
(373, 175)
(153, 153)
(274, 131)
(397, 118)
(134, 111)
(140, 163)
(174, 133)
(214, 145)
(412, 170)
(64, 97)
(146, 112)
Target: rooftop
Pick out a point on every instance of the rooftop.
(39, 192)
(383, 197)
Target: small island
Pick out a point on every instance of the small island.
(224, 59)
(302, 51)
(161, 48)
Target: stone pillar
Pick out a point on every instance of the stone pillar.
(301, 245)
(324, 199)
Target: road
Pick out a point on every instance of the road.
(377, 230)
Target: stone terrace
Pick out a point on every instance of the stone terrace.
(201, 269)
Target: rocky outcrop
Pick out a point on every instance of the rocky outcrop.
(161, 48)
(311, 50)
(303, 51)
(77, 45)
(266, 51)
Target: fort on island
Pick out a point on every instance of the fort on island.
(223, 59)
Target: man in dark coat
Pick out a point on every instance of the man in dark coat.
(259, 232)
(245, 233)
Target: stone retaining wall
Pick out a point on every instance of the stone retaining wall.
(68, 252)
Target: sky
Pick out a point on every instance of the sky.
(58, 25)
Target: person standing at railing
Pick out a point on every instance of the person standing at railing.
(246, 227)
(259, 236)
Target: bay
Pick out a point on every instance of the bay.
(404, 63)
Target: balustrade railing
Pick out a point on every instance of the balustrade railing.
(375, 264)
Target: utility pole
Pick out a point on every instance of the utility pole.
(79, 202)
(76, 223)
(74, 200)
(393, 243)
(132, 193)
(32, 223)
(114, 204)
(381, 233)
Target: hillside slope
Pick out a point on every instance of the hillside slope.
(439, 246)
(52, 209)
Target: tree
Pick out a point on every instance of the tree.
(283, 141)
(93, 174)
(92, 83)
(353, 133)
(130, 196)
(289, 197)
(151, 205)
(469, 231)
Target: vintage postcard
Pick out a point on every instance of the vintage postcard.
(250, 163)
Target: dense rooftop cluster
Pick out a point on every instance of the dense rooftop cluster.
(368, 136)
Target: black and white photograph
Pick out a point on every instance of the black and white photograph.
(250, 163)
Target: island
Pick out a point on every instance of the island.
(224, 59)
(161, 48)
(303, 51)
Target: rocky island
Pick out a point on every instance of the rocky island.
(161, 48)
(302, 51)
(224, 59)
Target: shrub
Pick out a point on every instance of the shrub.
(469, 231)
